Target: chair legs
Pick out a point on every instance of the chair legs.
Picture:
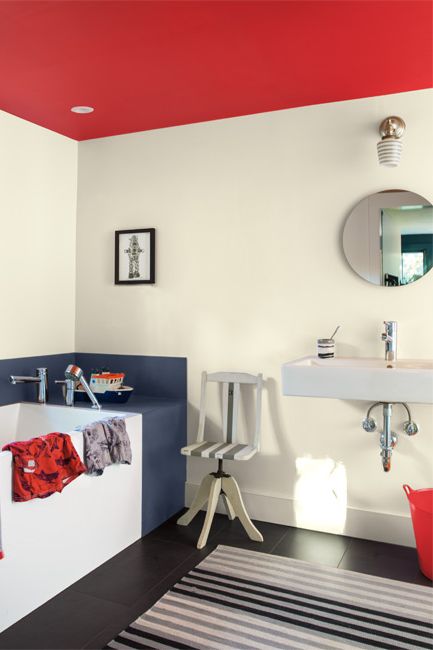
(211, 488)
(200, 499)
(233, 493)
(211, 507)
(228, 506)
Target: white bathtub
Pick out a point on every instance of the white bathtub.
(50, 543)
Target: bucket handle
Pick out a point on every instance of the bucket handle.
(407, 489)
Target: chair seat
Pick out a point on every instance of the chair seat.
(220, 450)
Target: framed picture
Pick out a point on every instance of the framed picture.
(134, 256)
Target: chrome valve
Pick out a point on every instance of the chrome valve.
(388, 439)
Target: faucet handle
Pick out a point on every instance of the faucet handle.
(68, 390)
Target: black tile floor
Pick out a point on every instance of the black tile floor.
(96, 608)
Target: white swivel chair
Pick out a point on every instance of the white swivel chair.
(219, 483)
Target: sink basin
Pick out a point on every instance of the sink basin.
(408, 380)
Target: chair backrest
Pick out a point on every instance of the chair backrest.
(231, 383)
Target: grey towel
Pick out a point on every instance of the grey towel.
(96, 448)
(118, 440)
(106, 442)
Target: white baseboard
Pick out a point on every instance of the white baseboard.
(365, 524)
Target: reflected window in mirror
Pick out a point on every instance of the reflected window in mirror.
(412, 266)
(388, 238)
(407, 242)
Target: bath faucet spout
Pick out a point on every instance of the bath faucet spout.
(41, 381)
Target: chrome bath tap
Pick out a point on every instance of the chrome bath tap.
(390, 338)
(76, 375)
(68, 386)
(41, 381)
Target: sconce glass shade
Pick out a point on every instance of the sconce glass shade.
(389, 148)
(389, 152)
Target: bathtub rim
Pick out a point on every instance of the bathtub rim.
(70, 432)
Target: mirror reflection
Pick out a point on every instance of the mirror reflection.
(388, 238)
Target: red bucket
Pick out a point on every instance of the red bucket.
(421, 509)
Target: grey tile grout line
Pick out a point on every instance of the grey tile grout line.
(129, 607)
(345, 551)
(277, 542)
(100, 598)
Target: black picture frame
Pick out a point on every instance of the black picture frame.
(134, 261)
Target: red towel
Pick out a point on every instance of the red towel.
(43, 465)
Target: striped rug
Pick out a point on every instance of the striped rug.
(245, 599)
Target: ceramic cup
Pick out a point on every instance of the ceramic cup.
(325, 348)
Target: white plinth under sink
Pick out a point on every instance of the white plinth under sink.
(352, 378)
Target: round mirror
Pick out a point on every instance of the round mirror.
(388, 238)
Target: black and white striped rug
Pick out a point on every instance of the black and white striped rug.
(245, 599)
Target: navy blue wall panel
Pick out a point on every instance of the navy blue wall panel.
(56, 364)
(151, 376)
(164, 468)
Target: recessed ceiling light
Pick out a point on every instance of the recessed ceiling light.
(82, 109)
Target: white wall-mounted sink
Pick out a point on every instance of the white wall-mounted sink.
(409, 380)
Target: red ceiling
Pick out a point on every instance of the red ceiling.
(145, 65)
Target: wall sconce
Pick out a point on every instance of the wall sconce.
(389, 148)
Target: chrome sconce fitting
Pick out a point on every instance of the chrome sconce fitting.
(388, 439)
(390, 146)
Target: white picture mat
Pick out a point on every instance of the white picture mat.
(144, 257)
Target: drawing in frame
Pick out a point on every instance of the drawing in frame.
(134, 256)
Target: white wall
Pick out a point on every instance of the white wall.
(38, 187)
(249, 214)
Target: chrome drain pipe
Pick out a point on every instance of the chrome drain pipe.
(388, 439)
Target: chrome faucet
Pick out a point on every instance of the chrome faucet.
(390, 338)
(41, 381)
(75, 374)
(68, 387)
